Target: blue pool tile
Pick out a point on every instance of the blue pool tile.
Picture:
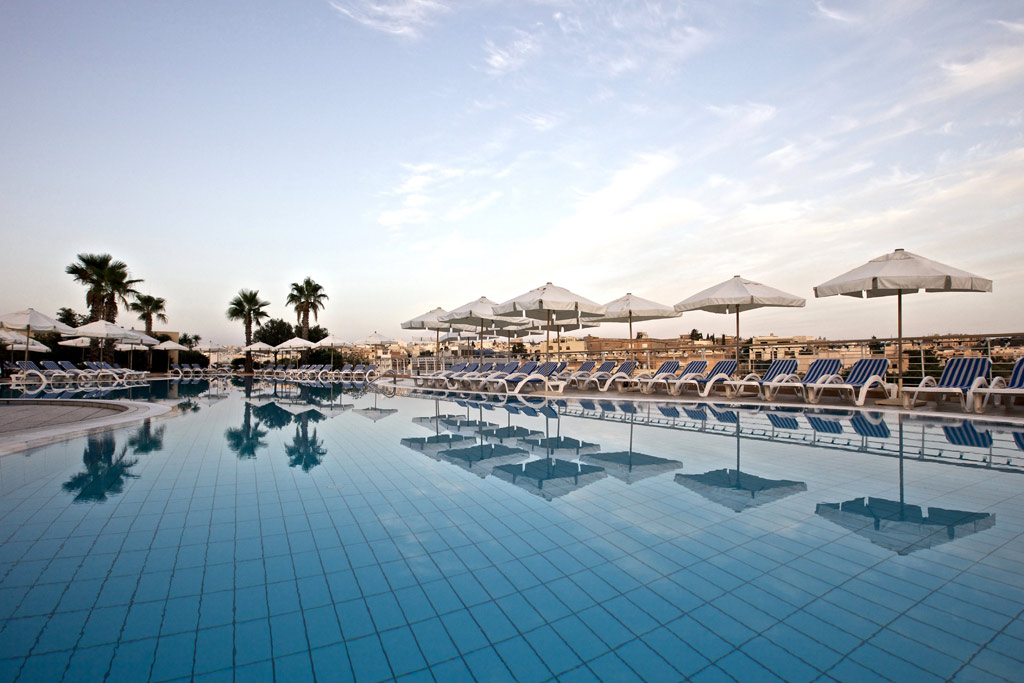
(368, 659)
(45, 667)
(288, 634)
(214, 649)
(258, 672)
(331, 663)
(297, 667)
(679, 654)
(343, 585)
(385, 611)
(609, 667)
(371, 580)
(354, 618)
(700, 638)
(441, 596)
(802, 646)
(180, 614)
(282, 597)
(89, 663)
(776, 659)
(174, 655)
(402, 651)
(104, 626)
(453, 671)
(464, 631)
(252, 641)
(522, 661)
(608, 628)
(890, 666)
(219, 577)
(414, 604)
(251, 603)
(486, 665)
(572, 594)
(434, 642)
(133, 660)
(216, 609)
(62, 631)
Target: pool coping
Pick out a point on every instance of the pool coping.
(122, 413)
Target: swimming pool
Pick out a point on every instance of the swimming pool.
(300, 532)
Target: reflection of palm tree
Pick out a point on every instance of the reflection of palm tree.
(273, 416)
(305, 451)
(146, 439)
(248, 438)
(103, 471)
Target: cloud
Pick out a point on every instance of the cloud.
(465, 207)
(835, 15)
(541, 122)
(404, 18)
(501, 60)
(750, 114)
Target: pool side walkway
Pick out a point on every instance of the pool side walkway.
(28, 423)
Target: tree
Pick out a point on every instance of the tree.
(149, 307)
(189, 340)
(248, 307)
(274, 332)
(108, 284)
(315, 333)
(695, 335)
(306, 297)
(70, 318)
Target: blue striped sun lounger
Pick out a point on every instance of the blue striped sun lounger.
(819, 369)
(866, 374)
(872, 429)
(667, 378)
(966, 435)
(780, 367)
(1001, 388)
(961, 377)
(704, 384)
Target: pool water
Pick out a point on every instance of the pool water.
(322, 532)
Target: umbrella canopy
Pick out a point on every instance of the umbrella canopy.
(294, 343)
(258, 347)
(211, 347)
(550, 303)
(483, 458)
(630, 309)
(142, 338)
(16, 342)
(170, 346)
(376, 414)
(480, 314)
(375, 340)
(440, 442)
(31, 319)
(431, 320)
(333, 342)
(549, 478)
(735, 295)
(131, 346)
(77, 342)
(899, 273)
(631, 467)
(101, 329)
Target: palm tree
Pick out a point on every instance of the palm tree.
(307, 297)
(189, 340)
(108, 284)
(149, 307)
(248, 307)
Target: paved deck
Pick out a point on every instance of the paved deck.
(29, 423)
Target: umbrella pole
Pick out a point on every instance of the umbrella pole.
(631, 348)
(437, 348)
(738, 337)
(548, 347)
(899, 344)
(28, 332)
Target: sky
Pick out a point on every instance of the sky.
(409, 154)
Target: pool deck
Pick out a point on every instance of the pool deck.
(28, 423)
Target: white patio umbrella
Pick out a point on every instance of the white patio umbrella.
(170, 346)
(103, 331)
(31, 319)
(631, 308)
(294, 344)
(15, 342)
(478, 313)
(333, 342)
(899, 273)
(258, 347)
(735, 295)
(550, 303)
(431, 320)
(77, 342)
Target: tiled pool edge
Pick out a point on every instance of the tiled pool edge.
(122, 413)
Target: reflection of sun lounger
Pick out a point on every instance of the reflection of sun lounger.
(781, 421)
(871, 429)
(966, 435)
(824, 425)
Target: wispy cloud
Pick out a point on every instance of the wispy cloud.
(541, 122)
(406, 18)
(500, 60)
(835, 15)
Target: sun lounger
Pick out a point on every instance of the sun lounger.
(84, 375)
(693, 369)
(587, 367)
(780, 367)
(28, 370)
(819, 368)
(367, 374)
(721, 372)
(431, 378)
(493, 382)
(579, 377)
(465, 378)
(1001, 388)
(603, 381)
(961, 377)
(865, 374)
(520, 381)
(478, 381)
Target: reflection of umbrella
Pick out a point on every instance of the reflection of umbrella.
(438, 442)
(435, 422)
(550, 303)
(901, 527)
(509, 434)
(376, 414)
(899, 273)
(548, 477)
(628, 466)
(629, 308)
(481, 459)
(460, 425)
(738, 490)
(560, 445)
(31, 319)
(735, 295)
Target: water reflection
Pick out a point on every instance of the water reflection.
(903, 527)
(105, 469)
(550, 478)
(305, 450)
(247, 439)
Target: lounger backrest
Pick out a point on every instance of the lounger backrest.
(695, 367)
(458, 367)
(29, 365)
(486, 367)
(961, 372)
(779, 368)
(865, 369)
(50, 365)
(346, 368)
(587, 366)
(372, 367)
(359, 368)
(824, 426)
(967, 435)
(1016, 380)
(669, 366)
(546, 369)
(471, 367)
(69, 366)
(723, 367)
(626, 368)
(822, 367)
(560, 366)
(696, 413)
(725, 416)
(865, 427)
(528, 368)
(782, 421)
